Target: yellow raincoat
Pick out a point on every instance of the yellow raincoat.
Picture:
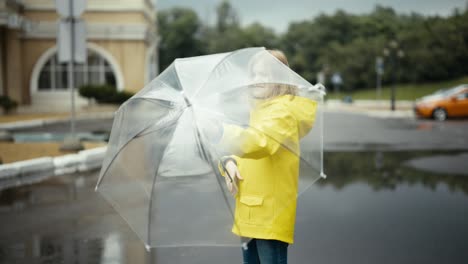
(267, 154)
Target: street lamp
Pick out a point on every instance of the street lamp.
(71, 49)
(393, 53)
(379, 70)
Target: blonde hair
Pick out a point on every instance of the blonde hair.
(282, 89)
(279, 55)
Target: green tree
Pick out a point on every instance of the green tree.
(256, 35)
(180, 35)
(227, 34)
(226, 17)
(436, 48)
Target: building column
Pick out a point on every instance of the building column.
(13, 64)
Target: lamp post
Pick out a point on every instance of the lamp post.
(71, 49)
(379, 70)
(393, 53)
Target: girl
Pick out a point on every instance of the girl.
(266, 154)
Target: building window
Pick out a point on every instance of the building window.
(96, 71)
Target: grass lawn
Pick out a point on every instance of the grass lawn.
(403, 91)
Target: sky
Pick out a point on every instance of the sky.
(277, 14)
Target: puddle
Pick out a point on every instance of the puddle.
(383, 169)
(444, 164)
(374, 207)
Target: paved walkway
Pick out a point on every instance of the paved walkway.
(381, 108)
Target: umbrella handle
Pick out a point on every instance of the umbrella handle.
(225, 160)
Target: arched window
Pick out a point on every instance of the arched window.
(54, 77)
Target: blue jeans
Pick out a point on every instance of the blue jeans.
(262, 251)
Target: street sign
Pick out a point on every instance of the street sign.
(336, 79)
(66, 11)
(71, 42)
(321, 77)
(64, 41)
(379, 65)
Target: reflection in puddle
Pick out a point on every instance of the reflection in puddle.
(425, 126)
(386, 170)
(67, 250)
(113, 250)
(443, 164)
(371, 209)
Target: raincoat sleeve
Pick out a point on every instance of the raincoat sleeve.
(273, 128)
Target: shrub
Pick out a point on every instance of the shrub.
(121, 97)
(7, 103)
(104, 94)
(87, 91)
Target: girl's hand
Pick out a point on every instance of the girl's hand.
(232, 177)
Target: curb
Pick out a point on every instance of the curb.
(35, 170)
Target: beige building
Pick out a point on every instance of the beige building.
(121, 49)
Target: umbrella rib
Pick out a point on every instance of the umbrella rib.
(139, 98)
(177, 78)
(217, 245)
(150, 100)
(123, 146)
(153, 189)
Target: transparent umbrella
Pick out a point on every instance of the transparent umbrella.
(161, 172)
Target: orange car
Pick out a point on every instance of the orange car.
(444, 103)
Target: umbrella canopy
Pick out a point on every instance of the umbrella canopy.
(161, 173)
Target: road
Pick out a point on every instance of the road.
(379, 204)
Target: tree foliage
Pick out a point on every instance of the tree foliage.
(435, 48)
(179, 29)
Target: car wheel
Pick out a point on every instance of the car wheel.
(439, 114)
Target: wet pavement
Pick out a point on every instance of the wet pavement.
(356, 132)
(396, 192)
(343, 132)
(372, 208)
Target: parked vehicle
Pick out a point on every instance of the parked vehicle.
(442, 104)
